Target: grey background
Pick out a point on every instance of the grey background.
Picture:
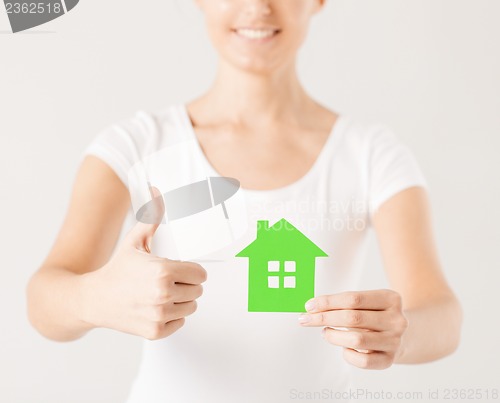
(428, 68)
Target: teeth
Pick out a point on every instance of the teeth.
(256, 33)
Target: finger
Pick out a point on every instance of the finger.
(186, 292)
(373, 341)
(350, 318)
(374, 360)
(368, 300)
(142, 233)
(187, 272)
(181, 310)
(162, 330)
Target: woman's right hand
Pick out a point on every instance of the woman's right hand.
(139, 293)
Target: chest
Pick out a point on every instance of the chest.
(262, 160)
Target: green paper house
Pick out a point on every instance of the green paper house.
(281, 268)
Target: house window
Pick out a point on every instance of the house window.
(289, 265)
(289, 281)
(274, 267)
(273, 281)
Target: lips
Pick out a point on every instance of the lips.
(257, 34)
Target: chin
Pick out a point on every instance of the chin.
(254, 65)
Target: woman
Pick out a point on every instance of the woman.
(257, 124)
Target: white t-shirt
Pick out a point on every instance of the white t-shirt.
(224, 353)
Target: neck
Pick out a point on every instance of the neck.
(250, 99)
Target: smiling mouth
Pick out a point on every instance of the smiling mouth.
(255, 34)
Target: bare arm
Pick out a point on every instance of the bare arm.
(55, 293)
(404, 232)
(80, 286)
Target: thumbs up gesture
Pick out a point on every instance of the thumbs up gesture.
(139, 293)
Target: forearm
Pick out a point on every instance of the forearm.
(433, 331)
(55, 298)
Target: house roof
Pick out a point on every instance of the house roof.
(281, 238)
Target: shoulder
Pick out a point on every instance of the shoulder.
(133, 137)
(151, 122)
(142, 129)
(366, 133)
(363, 141)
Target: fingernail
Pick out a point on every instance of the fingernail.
(304, 318)
(310, 305)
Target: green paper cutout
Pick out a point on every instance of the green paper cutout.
(292, 284)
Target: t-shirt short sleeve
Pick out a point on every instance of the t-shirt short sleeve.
(392, 167)
(122, 144)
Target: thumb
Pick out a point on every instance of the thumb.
(149, 219)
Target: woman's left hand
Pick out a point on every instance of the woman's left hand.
(375, 323)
